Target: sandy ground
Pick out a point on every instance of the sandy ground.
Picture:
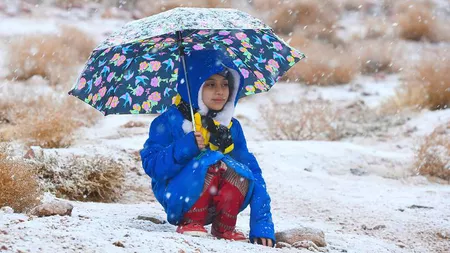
(359, 191)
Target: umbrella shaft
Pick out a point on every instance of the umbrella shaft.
(180, 39)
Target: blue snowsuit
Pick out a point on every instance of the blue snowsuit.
(178, 168)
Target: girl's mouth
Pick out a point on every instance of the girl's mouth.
(218, 100)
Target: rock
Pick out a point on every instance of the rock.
(3, 248)
(54, 207)
(378, 227)
(358, 172)
(281, 245)
(152, 219)
(401, 245)
(443, 235)
(7, 209)
(34, 152)
(292, 236)
(119, 244)
(419, 206)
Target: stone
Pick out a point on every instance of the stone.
(54, 207)
(119, 244)
(281, 245)
(300, 234)
(7, 209)
(152, 219)
(443, 235)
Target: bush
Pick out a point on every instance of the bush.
(324, 65)
(317, 19)
(53, 57)
(82, 178)
(417, 23)
(424, 85)
(300, 121)
(376, 56)
(47, 121)
(19, 187)
(433, 156)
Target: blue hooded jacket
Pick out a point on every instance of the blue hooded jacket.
(178, 168)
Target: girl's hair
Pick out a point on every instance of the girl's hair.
(228, 76)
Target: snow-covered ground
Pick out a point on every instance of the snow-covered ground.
(359, 191)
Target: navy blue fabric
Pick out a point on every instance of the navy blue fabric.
(177, 169)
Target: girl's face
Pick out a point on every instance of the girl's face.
(215, 92)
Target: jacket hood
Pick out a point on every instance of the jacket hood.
(201, 65)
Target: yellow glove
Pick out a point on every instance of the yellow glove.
(200, 128)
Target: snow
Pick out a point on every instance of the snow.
(345, 188)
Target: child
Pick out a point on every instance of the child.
(208, 176)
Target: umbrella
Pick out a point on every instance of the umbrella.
(136, 69)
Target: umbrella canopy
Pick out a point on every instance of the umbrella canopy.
(139, 69)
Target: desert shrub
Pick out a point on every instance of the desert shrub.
(82, 178)
(426, 84)
(53, 57)
(376, 56)
(433, 155)
(311, 120)
(48, 121)
(416, 23)
(317, 19)
(19, 187)
(323, 65)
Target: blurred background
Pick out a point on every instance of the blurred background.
(376, 76)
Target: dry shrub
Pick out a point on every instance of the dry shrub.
(82, 178)
(377, 56)
(47, 121)
(433, 155)
(377, 27)
(358, 5)
(324, 65)
(68, 4)
(425, 84)
(417, 23)
(317, 19)
(19, 187)
(311, 120)
(132, 124)
(53, 57)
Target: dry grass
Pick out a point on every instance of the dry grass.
(324, 65)
(377, 56)
(46, 121)
(312, 120)
(68, 4)
(358, 5)
(433, 156)
(82, 178)
(53, 57)
(132, 124)
(317, 19)
(19, 187)
(424, 85)
(416, 23)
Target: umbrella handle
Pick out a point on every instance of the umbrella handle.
(181, 50)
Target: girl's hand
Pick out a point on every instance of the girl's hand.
(263, 241)
(200, 141)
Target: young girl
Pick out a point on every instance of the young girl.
(208, 176)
